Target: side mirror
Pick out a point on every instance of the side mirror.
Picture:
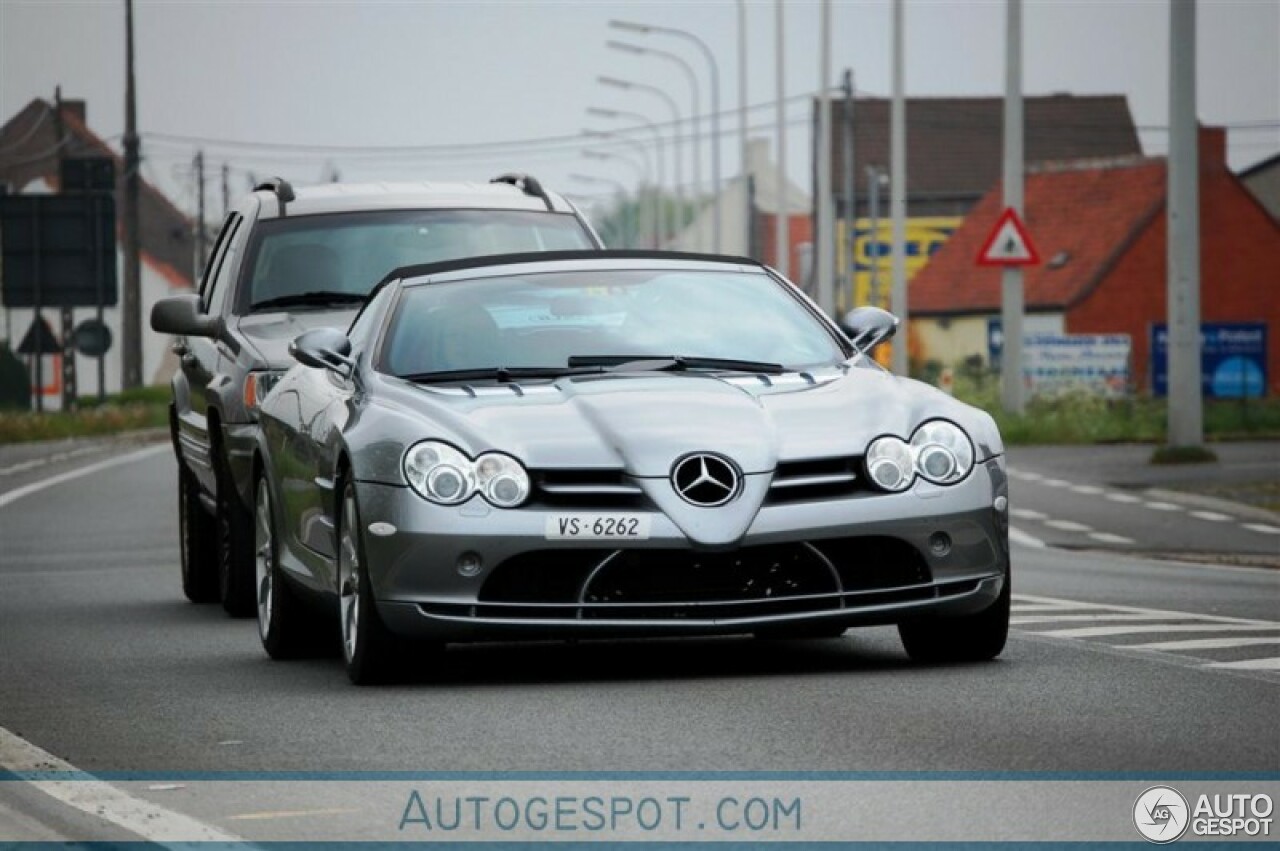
(323, 348)
(184, 316)
(868, 327)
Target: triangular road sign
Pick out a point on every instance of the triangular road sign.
(1009, 244)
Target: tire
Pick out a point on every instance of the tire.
(286, 627)
(969, 638)
(235, 536)
(196, 541)
(371, 652)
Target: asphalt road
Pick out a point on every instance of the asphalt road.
(1115, 663)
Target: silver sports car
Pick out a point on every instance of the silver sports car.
(604, 444)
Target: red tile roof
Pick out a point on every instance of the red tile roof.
(1081, 219)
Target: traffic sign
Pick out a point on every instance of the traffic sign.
(1009, 244)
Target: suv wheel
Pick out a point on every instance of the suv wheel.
(196, 542)
(970, 638)
(235, 549)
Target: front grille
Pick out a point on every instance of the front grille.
(816, 479)
(586, 489)
(662, 584)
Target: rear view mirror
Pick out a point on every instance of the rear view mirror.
(868, 327)
(183, 316)
(323, 348)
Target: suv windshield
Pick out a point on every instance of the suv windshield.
(571, 320)
(333, 259)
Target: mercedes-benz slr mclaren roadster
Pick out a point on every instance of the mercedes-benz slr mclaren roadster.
(610, 444)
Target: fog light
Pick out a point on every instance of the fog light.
(939, 544)
(469, 564)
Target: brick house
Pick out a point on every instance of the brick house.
(1100, 230)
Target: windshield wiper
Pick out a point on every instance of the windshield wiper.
(318, 298)
(674, 363)
(499, 373)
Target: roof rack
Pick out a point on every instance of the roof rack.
(528, 184)
(280, 187)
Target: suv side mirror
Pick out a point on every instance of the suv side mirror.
(184, 316)
(323, 348)
(868, 327)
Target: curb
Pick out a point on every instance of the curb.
(1213, 503)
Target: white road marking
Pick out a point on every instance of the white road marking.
(1127, 498)
(102, 800)
(1056, 483)
(1098, 631)
(1100, 616)
(1027, 514)
(1018, 536)
(1261, 527)
(1209, 643)
(1086, 489)
(1211, 515)
(1110, 538)
(10, 497)
(1162, 506)
(1068, 525)
(1026, 474)
(23, 466)
(1268, 664)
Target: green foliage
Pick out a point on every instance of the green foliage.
(629, 223)
(145, 407)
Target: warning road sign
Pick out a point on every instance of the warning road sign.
(1009, 244)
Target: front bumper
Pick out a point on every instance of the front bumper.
(864, 559)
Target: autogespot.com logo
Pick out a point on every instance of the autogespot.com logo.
(1161, 814)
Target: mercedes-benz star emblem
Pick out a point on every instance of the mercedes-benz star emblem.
(706, 480)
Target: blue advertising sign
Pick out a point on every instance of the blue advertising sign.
(1233, 359)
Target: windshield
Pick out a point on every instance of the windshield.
(320, 259)
(571, 319)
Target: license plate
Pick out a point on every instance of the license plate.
(597, 527)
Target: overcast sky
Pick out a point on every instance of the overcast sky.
(470, 73)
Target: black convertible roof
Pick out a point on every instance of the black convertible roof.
(553, 256)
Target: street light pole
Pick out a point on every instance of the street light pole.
(676, 141)
(744, 143)
(898, 195)
(782, 215)
(1012, 391)
(715, 107)
(657, 141)
(131, 351)
(824, 233)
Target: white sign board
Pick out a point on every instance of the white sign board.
(1092, 363)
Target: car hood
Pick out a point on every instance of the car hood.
(643, 423)
(271, 333)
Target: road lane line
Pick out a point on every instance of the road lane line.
(1100, 616)
(1126, 498)
(1171, 615)
(1027, 514)
(23, 466)
(1110, 538)
(10, 497)
(1056, 483)
(1209, 643)
(1271, 663)
(100, 799)
(1086, 489)
(1162, 506)
(1211, 515)
(1261, 527)
(1068, 525)
(1020, 537)
(1100, 631)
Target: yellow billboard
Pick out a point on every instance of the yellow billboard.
(871, 277)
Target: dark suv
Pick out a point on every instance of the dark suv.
(287, 261)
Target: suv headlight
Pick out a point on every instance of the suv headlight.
(939, 452)
(444, 475)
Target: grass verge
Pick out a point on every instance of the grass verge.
(146, 407)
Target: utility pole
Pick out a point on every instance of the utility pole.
(226, 190)
(782, 215)
(824, 243)
(743, 142)
(1186, 417)
(850, 202)
(201, 236)
(898, 194)
(1012, 390)
(131, 353)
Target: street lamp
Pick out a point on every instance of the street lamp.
(676, 121)
(657, 139)
(650, 29)
(692, 78)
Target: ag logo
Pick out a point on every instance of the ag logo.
(1161, 814)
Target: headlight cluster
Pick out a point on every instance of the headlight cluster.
(939, 452)
(442, 474)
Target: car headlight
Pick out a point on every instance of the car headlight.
(889, 463)
(444, 475)
(942, 451)
(258, 384)
(939, 452)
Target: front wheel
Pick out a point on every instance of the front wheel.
(969, 638)
(287, 630)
